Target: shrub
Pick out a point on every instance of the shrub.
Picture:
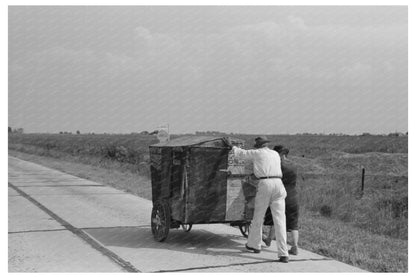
(326, 211)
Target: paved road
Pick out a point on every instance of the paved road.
(62, 223)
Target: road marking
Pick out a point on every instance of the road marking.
(237, 264)
(80, 233)
(116, 227)
(36, 231)
(70, 194)
(62, 185)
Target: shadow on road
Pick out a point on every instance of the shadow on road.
(197, 241)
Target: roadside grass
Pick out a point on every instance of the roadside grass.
(349, 244)
(109, 173)
(382, 211)
(341, 240)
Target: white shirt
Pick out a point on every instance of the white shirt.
(266, 162)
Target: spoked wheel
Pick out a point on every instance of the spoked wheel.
(245, 229)
(186, 227)
(160, 220)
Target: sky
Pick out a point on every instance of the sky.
(254, 69)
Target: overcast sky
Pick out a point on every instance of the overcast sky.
(265, 70)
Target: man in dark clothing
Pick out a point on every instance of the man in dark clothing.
(292, 204)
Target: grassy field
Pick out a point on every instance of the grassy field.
(132, 148)
(337, 218)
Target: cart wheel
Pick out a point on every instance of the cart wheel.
(186, 227)
(160, 220)
(244, 229)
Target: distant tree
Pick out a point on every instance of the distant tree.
(78, 132)
(10, 129)
(60, 132)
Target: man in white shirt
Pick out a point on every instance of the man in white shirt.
(270, 192)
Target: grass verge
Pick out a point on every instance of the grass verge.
(111, 173)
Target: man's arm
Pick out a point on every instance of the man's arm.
(227, 142)
(241, 153)
(238, 152)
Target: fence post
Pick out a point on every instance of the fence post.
(362, 180)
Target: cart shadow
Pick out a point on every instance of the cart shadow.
(197, 241)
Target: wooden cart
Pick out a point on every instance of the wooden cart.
(197, 180)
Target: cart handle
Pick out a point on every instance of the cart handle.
(225, 171)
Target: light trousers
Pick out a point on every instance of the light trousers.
(270, 192)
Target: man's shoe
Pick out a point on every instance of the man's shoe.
(267, 241)
(252, 249)
(283, 259)
(293, 250)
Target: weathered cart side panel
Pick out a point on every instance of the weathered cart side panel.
(189, 175)
(207, 199)
(160, 161)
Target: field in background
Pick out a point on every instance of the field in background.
(329, 169)
(312, 146)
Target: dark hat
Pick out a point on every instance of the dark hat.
(260, 141)
(278, 148)
(281, 150)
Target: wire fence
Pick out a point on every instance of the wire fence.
(375, 202)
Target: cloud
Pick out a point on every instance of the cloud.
(268, 58)
(220, 68)
(297, 22)
(288, 47)
(143, 33)
(288, 27)
(156, 46)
